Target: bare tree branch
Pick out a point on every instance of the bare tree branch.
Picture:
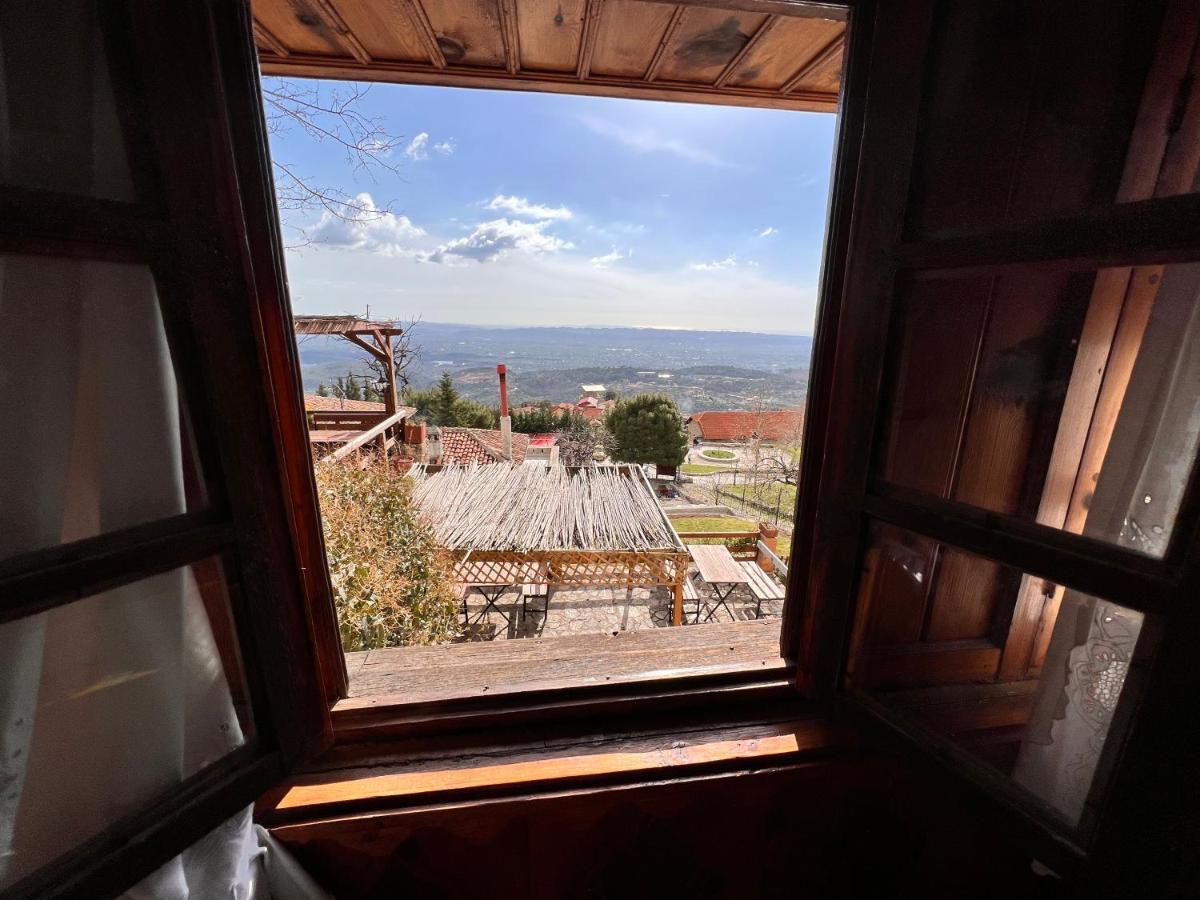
(328, 115)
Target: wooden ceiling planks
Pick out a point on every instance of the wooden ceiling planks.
(764, 53)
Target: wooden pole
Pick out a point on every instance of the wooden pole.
(677, 612)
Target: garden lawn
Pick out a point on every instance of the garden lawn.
(700, 469)
(713, 523)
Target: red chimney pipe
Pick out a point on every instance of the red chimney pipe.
(502, 372)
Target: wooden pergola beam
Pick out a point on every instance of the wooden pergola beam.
(510, 35)
(661, 52)
(765, 29)
(820, 58)
(587, 46)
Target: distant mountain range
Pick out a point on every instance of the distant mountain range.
(701, 370)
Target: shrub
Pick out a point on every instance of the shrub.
(391, 586)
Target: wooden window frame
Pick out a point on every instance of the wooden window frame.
(197, 228)
(678, 691)
(1144, 810)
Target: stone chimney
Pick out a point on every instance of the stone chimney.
(505, 421)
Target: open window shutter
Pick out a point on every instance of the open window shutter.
(1004, 417)
(167, 642)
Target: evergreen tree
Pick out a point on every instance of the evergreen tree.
(352, 389)
(443, 402)
(539, 420)
(322, 391)
(647, 429)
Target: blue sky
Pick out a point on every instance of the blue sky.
(526, 208)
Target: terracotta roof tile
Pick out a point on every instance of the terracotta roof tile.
(312, 401)
(479, 445)
(736, 425)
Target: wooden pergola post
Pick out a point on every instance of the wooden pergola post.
(357, 331)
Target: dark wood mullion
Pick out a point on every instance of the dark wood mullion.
(129, 850)
(202, 189)
(35, 582)
(838, 481)
(70, 225)
(817, 411)
(1159, 230)
(279, 349)
(1078, 562)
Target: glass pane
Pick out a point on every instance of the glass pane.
(96, 432)
(59, 129)
(1057, 99)
(1043, 722)
(1064, 398)
(110, 702)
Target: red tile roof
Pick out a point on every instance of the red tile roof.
(775, 425)
(479, 445)
(312, 401)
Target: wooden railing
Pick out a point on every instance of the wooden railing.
(344, 419)
(381, 438)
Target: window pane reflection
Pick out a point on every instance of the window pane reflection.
(1036, 705)
(1064, 398)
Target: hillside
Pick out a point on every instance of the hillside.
(699, 369)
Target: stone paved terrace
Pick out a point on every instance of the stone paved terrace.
(598, 611)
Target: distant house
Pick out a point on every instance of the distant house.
(738, 425)
(542, 447)
(479, 445)
(593, 390)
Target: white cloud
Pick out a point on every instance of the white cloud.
(519, 206)
(729, 262)
(416, 149)
(646, 140)
(446, 147)
(491, 240)
(603, 262)
(768, 231)
(367, 228)
(551, 288)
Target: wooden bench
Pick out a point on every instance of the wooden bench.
(762, 585)
(690, 593)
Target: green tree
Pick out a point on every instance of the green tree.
(539, 420)
(443, 405)
(647, 429)
(443, 401)
(322, 391)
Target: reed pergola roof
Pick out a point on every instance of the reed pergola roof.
(781, 54)
(531, 507)
(563, 527)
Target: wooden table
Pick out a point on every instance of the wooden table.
(720, 571)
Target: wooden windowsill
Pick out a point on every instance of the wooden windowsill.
(406, 676)
(351, 793)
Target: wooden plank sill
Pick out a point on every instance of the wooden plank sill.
(415, 676)
(626, 759)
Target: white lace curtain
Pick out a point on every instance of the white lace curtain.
(1134, 505)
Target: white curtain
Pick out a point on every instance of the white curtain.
(106, 703)
(1137, 496)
